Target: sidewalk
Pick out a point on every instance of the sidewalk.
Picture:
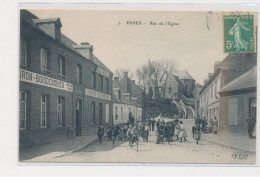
(49, 151)
(230, 137)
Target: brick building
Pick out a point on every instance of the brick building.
(65, 90)
(230, 92)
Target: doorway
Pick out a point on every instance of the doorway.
(78, 117)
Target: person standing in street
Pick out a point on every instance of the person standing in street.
(251, 125)
(197, 133)
(109, 133)
(153, 123)
(183, 133)
(204, 125)
(167, 133)
(115, 132)
(215, 125)
(157, 125)
(100, 133)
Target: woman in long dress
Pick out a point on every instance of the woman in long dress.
(215, 125)
(183, 133)
(236, 32)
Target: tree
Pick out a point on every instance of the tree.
(157, 73)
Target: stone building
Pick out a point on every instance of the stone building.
(127, 100)
(177, 86)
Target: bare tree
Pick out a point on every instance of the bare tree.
(158, 73)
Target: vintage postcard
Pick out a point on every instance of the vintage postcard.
(137, 86)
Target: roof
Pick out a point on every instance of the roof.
(33, 20)
(47, 20)
(245, 81)
(216, 73)
(183, 74)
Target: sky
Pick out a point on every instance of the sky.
(194, 44)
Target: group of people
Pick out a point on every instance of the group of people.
(167, 131)
(130, 132)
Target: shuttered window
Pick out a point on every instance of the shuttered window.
(233, 111)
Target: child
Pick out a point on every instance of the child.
(197, 133)
(109, 133)
(193, 131)
(183, 133)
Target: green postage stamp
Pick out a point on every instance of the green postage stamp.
(239, 33)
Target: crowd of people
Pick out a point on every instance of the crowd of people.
(165, 131)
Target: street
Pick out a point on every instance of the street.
(150, 152)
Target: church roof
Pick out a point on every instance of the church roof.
(183, 74)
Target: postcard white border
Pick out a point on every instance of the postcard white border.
(9, 98)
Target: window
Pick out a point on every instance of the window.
(44, 60)
(44, 100)
(107, 81)
(215, 88)
(187, 87)
(107, 113)
(116, 113)
(61, 66)
(94, 80)
(170, 90)
(60, 111)
(119, 94)
(24, 52)
(233, 111)
(101, 83)
(100, 113)
(93, 112)
(122, 117)
(78, 74)
(252, 106)
(211, 91)
(129, 110)
(23, 103)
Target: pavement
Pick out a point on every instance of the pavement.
(43, 153)
(49, 151)
(230, 137)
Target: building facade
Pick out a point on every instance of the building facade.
(65, 90)
(230, 103)
(127, 100)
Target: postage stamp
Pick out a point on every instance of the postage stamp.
(239, 33)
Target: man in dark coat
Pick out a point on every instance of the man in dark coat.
(153, 123)
(251, 124)
(100, 133)
(115, 132)
(167, 133)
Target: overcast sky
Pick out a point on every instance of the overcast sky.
(190, 44)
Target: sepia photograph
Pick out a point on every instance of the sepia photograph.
(137, 86)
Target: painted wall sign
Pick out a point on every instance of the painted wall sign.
(93, 93)
(31, 77)
(102, 72)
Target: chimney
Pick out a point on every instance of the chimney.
(125, 74)
(217, 65)
(50, 26)
(205, 81)
(116, 79)
(85, 49)
(210, 75)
